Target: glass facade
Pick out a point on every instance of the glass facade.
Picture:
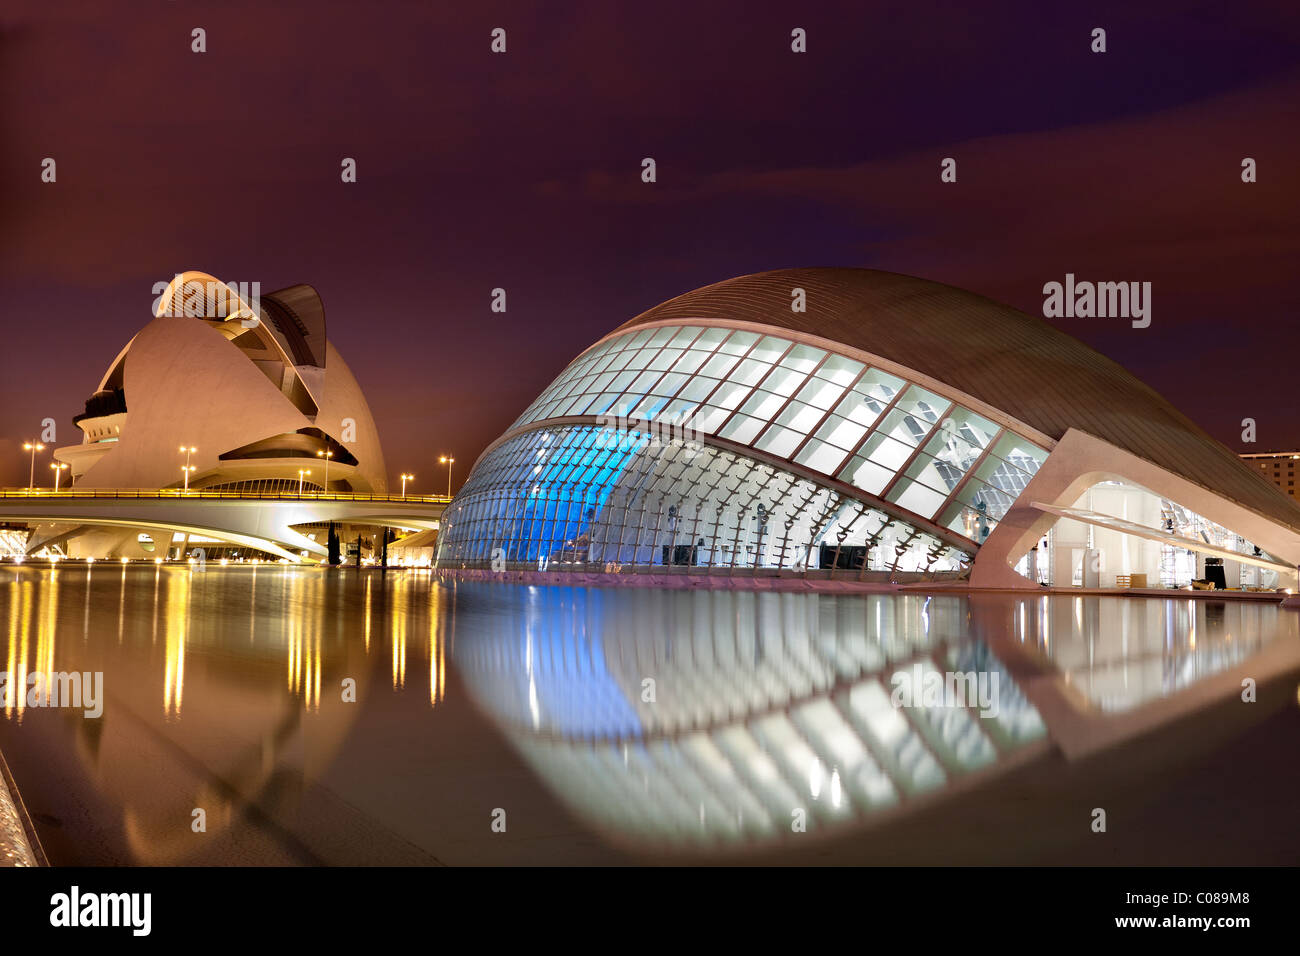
(649, 484)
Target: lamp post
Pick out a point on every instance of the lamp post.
(187, 469)
(327, 455)
(189, 450)
(33, 447)
(58, 471)
(405, 479)
(301, 472)
(448, 461)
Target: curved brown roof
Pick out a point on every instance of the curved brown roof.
(1013, 361)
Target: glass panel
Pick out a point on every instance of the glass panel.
(866, 475)
(698, 388)
(821, 393)
(803, 358)
(841, 432)
(749, 372)
(729, 395)
(802, 418)
(783, 381)
(840, 370)
(780, 441)
(917, 498)
(742, 429)
(739, 342)
(691, 361)
(719, 366)
(770, 349)
(885, 451)
(821, 457)
(763, 405)
(935, 473)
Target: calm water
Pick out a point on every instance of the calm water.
(511, 724)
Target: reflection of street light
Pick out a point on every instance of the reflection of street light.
(448, 461)
(327, 455)
(187, 469)
(301, 472)
(33, 447)
(58, 469)
(405, 479)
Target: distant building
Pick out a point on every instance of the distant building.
(1278, 467)
(854, 423)
(255, 387)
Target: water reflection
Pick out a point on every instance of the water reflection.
(701, 719)
(224, 688)
(687, 720)
(1121, 653)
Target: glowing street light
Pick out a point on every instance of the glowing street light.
(58, 470)
(327, 455)
(33, 447)
(448, 461)
(405, 479)
(189, 450)
(187, 469)
(301, 472)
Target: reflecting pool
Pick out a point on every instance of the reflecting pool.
(273, 714)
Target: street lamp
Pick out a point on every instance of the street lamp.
(405, 479)
(327, 455)
(189, 450)
(33, 447)
(187, 469)
(301, 472)
(58, 470)
(448, 461)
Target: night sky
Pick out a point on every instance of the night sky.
(523, 171)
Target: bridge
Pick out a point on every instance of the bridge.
(265, 521)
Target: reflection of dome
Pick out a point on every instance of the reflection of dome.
(755, 709)
(258, 398)
(890, 426)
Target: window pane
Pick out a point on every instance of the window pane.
(780, 441)
(866, 475)
(840, 370)
(763, 405)
(783, 381)
(841, 432)
(719, 366)
(917, 498)
(742, 429)
(821, 457)
(770, 349)
(803, 358)
(739, 342)
(802, 418)
(821, 393)
(885, 451)
(749, 372)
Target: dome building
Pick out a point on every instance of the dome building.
(253, 386)
(890, 429)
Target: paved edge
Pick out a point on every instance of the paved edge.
(19, 844)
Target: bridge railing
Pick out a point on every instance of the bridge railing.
(199, 493)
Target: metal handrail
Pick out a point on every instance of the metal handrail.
(201, 493)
